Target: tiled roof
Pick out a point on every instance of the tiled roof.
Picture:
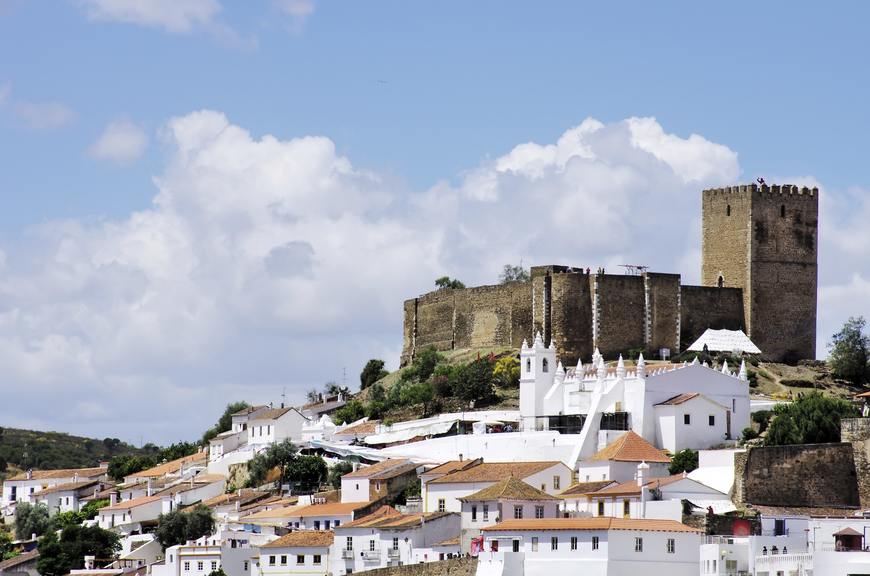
(303, 539)
(272, 414)
(450, 542)
(280, 512)
(582, 488)
(171, 466)
(598, 523)
(679, 399)
(330, 508)
(453, 466)
(382, 513)
(630, 447)
(383, 470)
(58, 474)
(69, 486)
(247, 495)
(631, 487)
(511, 488)
(494, 471)
(361, 429)
(135, 502)
(248, 410)
(18, 560)
(386, 518)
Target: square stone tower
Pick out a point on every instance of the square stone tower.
(764, 240)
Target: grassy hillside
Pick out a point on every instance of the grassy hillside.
(51, 450)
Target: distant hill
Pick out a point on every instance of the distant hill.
(52, 450)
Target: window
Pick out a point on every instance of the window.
(518, 512)
(687, 419)
(711, 419)
(543, 487)
(187, 565)
(601, 507)
(377, 486)
(199, 566)
(573, 542)
(528, 364)
(638, 544)
(728, 210)
(371, 545)
(300, 558)
(441, 505)
(595, 542)
(671, 545)
(317, 524)
(485, 512)
(516, 546)
(283, 560)
(246, 565)
(557, 482)
(395, 543)
(626, 508)
(315, 559)
(271, 560)
(554, 543)
(734, 405)
(335, 523)
(545, 366)
(534, 543)
(213, 566)
(782, 211)
(539, 511)
(474, 513)
(493, 545)
(326, 525)
(349, 545)
(721, 282)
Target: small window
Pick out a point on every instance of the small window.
(213, 566)
(554, 543)
(721, 282)
(638, 544)
(557, 482)
(728, 210)
(545, 366)
(395, 543)
(187, 565)
(687, 419)
(317, 524)
(516, 546)
(543, 487)
(371, 545)
(271, 560)
(712, 420)
(442, 506)
(199, 566)
(671, 545)
(518, 512)
(782, 211)
(528, 365)
(595, 542)
(539, 511)
(626, 508)
(734, 405)
(326, 525)
(601, 508)
(349, 545)
(335, 523)
(315, 559)
(474, 513)
(300, 558)
(573, 542)
(283, 560)
(246, 565)
(534, 543)
(485, 512)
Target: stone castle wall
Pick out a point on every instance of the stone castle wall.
(703, 307)
(464, 566)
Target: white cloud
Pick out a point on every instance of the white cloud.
(297, 10)
(5, 91)
(122, 142)
(175, 16)
(44, 115)
(265, 263)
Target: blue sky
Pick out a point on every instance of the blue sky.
(423, 100)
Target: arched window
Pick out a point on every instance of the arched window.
(728, 210)
(544, 365)
(721, 281)
(528, 364)
(782, 211)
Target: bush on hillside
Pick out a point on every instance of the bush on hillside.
(811, 419)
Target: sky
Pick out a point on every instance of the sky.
(207, 201)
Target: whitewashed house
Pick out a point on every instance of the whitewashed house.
(384, 479)
(388, 538)
(590, 546)
(297, 553)
(131, 515)
(66, 497)
(201, 560)
(443, 493)
(596, 400)
(22, 486)
(618, 460)
(275, 425)
(171, 471)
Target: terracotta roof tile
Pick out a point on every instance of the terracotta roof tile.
(171, 466)
(135, 502)
(58, 474)
(679, 399)
(598, 523)
(383, 470)
(450, 542)
(511, 488)
(387, 518)
(303, 539)
(18, 560)
(362, 429)
(582, 488)
(631, 487)
(495, 471)
(630, 447)
(69, 486)
(331, 508)
(248, 410)
(453, 466)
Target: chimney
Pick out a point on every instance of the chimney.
(104, 464)
(29, 474)
(113, 498)
(90, 562)
(75, 477)
(642, 471)
(148, 487)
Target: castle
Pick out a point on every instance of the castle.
(758, 274)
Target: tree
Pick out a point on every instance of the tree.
(506, 372)
(447, 282)
(30, 519)
(306, 472)
(340, 468)
(849, 348)
(278, 455)
(811, 419)
(371, 373)
(425, 362)
(684, 461)
(474, 381)
(7, 551)
(312, 395)
(63, 519)
(180, 526)
(89, 511)
(57, 556)
(513, 274)
(225, 422)
(179, 450)
(350, 412)
(126, 464)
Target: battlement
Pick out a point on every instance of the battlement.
(789, 189)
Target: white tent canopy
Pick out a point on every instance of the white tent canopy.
(725, 341)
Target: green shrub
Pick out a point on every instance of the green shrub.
(749, 433)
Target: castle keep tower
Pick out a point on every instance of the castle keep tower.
(764, 240)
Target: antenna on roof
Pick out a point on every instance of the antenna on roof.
(283, 396)
(634, 269)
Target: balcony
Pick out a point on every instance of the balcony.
(394, 553)
(347, 554)
(372, 555)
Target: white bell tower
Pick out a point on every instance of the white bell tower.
(537, 372)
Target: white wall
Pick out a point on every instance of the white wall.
(354, 489)
(292, 566)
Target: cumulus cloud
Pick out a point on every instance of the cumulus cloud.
(297, 10)
(175, 16)
(44, 115)
(266, 262)
(121, 142)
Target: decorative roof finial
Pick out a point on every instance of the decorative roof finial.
(641, 366)
(742, 374)
(725, 369)
(620, 367)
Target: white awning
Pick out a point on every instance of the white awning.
(724, 341)
(718, 506)
(408, 433)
